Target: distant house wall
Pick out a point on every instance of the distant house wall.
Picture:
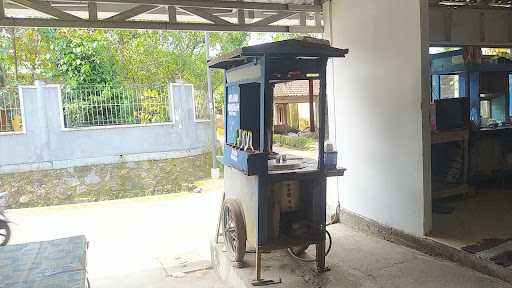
(46, 144)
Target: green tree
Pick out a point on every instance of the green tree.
(32, 52)
(82, 57)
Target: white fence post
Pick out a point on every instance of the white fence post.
(41, 125)
(170, 95)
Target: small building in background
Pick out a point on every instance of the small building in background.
(295, 106)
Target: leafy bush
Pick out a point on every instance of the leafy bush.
(299, 142)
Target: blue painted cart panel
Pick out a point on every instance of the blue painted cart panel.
(232, 113)
(247, 162)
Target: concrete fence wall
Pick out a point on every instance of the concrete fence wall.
(46, 144)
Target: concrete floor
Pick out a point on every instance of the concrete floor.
(134, 242)
(359, 260)
(488, 214)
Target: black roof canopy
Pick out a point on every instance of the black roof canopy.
(299, 47)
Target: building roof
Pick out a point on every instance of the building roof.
(298, 88)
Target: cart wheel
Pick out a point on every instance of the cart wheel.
(5, 233)
(234, 229)
(299, 250)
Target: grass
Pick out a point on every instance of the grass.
(298, 142)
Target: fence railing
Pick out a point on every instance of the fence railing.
(11, 110)
(92, 106)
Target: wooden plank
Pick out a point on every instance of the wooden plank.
(311, 107)
(482, 27)
(220, 4)
(448, 21)
(46, 9)
(31, 22)
(132, 12)
(172, 14)
(455, 190)
(302, 19)
(294, 99)
(510, 27)
(449, 136)
(274, 18)
(2, 10)
(206, 15)
(318, 19)
(241, 16)
(93, 11)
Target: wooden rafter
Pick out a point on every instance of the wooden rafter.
(247, 5)
(171, 10)
(92, 10)
(241, 16)
(2, 11)
(132, 12)
(206, 15)
(46, 9)
(475, 4)
(274, 18)
(27, 22)
(484, 2)
(215, 15)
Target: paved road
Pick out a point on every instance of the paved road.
(133, 241)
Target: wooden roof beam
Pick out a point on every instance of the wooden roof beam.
(92, 10)
(219, 4)
(274, 18)
(206, 15)
(46, 9)
(132, 12)
(2, 10)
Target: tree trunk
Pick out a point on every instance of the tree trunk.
(15, 52)
(2, 76)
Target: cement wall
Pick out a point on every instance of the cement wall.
(46, 144)
(375, 106)
(104, 182)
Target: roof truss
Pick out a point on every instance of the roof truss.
(473, 3)
(206, 15)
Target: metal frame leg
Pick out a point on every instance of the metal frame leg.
(258, 264)
(219, 223)
(320, 257)
(259, 281)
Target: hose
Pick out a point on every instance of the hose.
(292, 253)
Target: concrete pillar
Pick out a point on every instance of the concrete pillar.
(41, 124)
(377, 105)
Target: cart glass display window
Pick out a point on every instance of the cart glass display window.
(449, 86)
(295, 129)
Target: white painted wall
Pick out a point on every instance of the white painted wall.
(46, 145)
(377, 93)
